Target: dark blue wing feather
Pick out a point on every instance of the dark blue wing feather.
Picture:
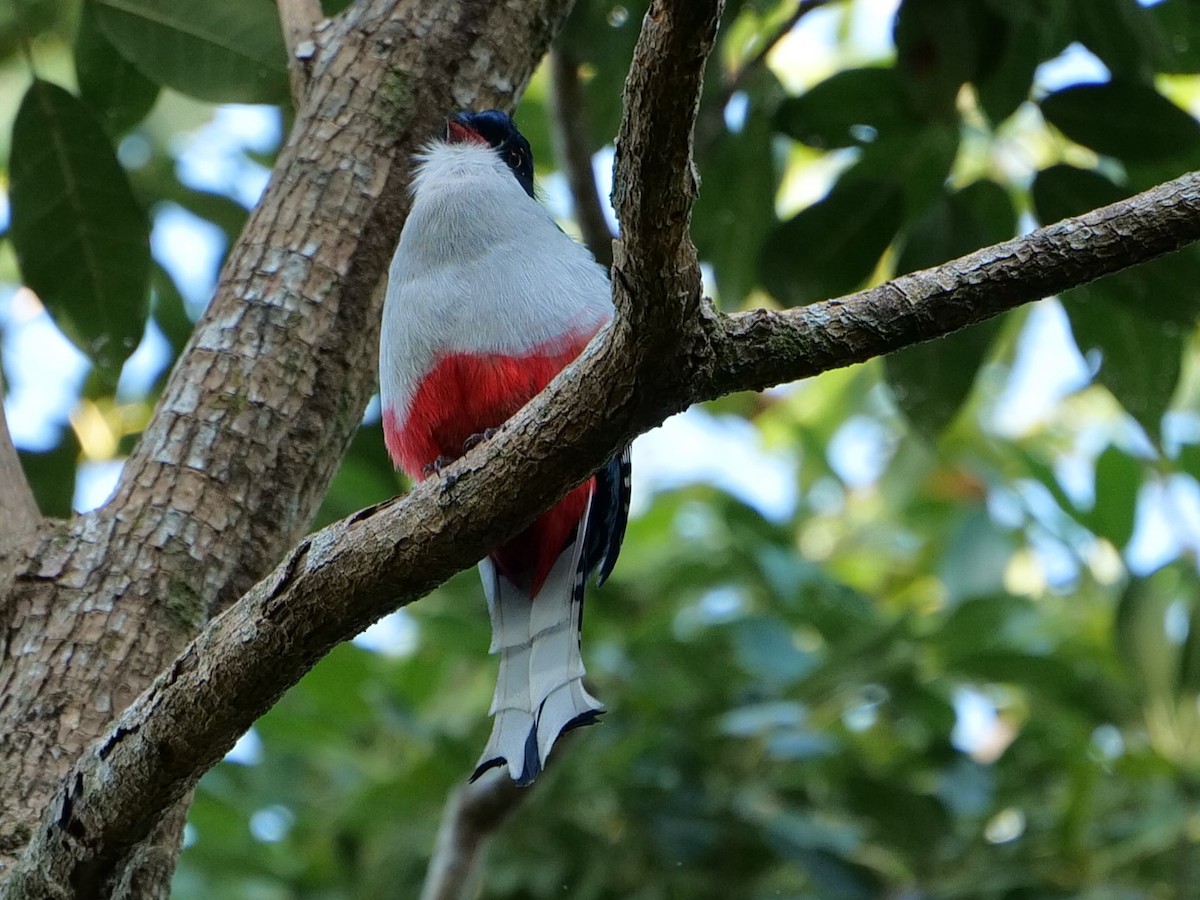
(608, 516)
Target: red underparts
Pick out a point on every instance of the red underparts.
(466, 394)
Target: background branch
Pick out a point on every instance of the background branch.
(712, 121)
(19, 517)
(473, 813)
(573, 146)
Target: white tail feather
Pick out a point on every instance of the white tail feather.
(539, 690)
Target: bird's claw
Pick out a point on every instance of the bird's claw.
(476, 439)
(435, 467)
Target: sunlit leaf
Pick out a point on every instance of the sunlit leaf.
(1128, 120)
(81, 237)
(226, 51)
(834, 245)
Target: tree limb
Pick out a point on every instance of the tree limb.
(473, 813)
(340, 579)
(20, 517)
(573, 146)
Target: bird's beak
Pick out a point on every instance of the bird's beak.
(458, 133)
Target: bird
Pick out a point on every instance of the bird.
(487, 300)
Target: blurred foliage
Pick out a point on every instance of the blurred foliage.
(965, 662)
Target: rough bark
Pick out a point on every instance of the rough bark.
(244, 441)
(260, 407)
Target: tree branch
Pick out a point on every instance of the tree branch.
(655, 183)
(299, 19)
(573, 145)
(342, 578)
(472, 815)
(20, 516)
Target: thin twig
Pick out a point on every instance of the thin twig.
(299, 19)
(710, 122)
(573, 146)
(19, 517)
(473, 813)
(739, 77)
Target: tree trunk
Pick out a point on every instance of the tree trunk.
(256, 416)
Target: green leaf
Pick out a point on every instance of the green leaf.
(846, 109)
(1118, 478)
(918, 162)
(20, 22)
(1140, 356)
(976, 557)
(51, 475)
(1124, 119)
(941, 45)
(1140, 627)
(1120, 32)
(82, 240)
(930, 381)
(1179, 35)
(977, 216)
(118, 93)
(735, 211)
(1010, 81)
(1062, 191)
(766, 649)
(224, 51)
(169, 309)
(833, 246)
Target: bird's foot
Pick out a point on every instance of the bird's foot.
(476, 439)
(435, 467)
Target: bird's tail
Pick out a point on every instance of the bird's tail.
(539, 692)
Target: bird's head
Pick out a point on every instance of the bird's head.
(495, 129)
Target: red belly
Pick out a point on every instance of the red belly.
(464, 395)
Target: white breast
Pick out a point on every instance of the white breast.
(481, 267)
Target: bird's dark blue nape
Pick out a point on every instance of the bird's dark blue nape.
(498, 131)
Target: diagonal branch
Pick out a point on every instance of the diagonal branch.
(351, 573)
